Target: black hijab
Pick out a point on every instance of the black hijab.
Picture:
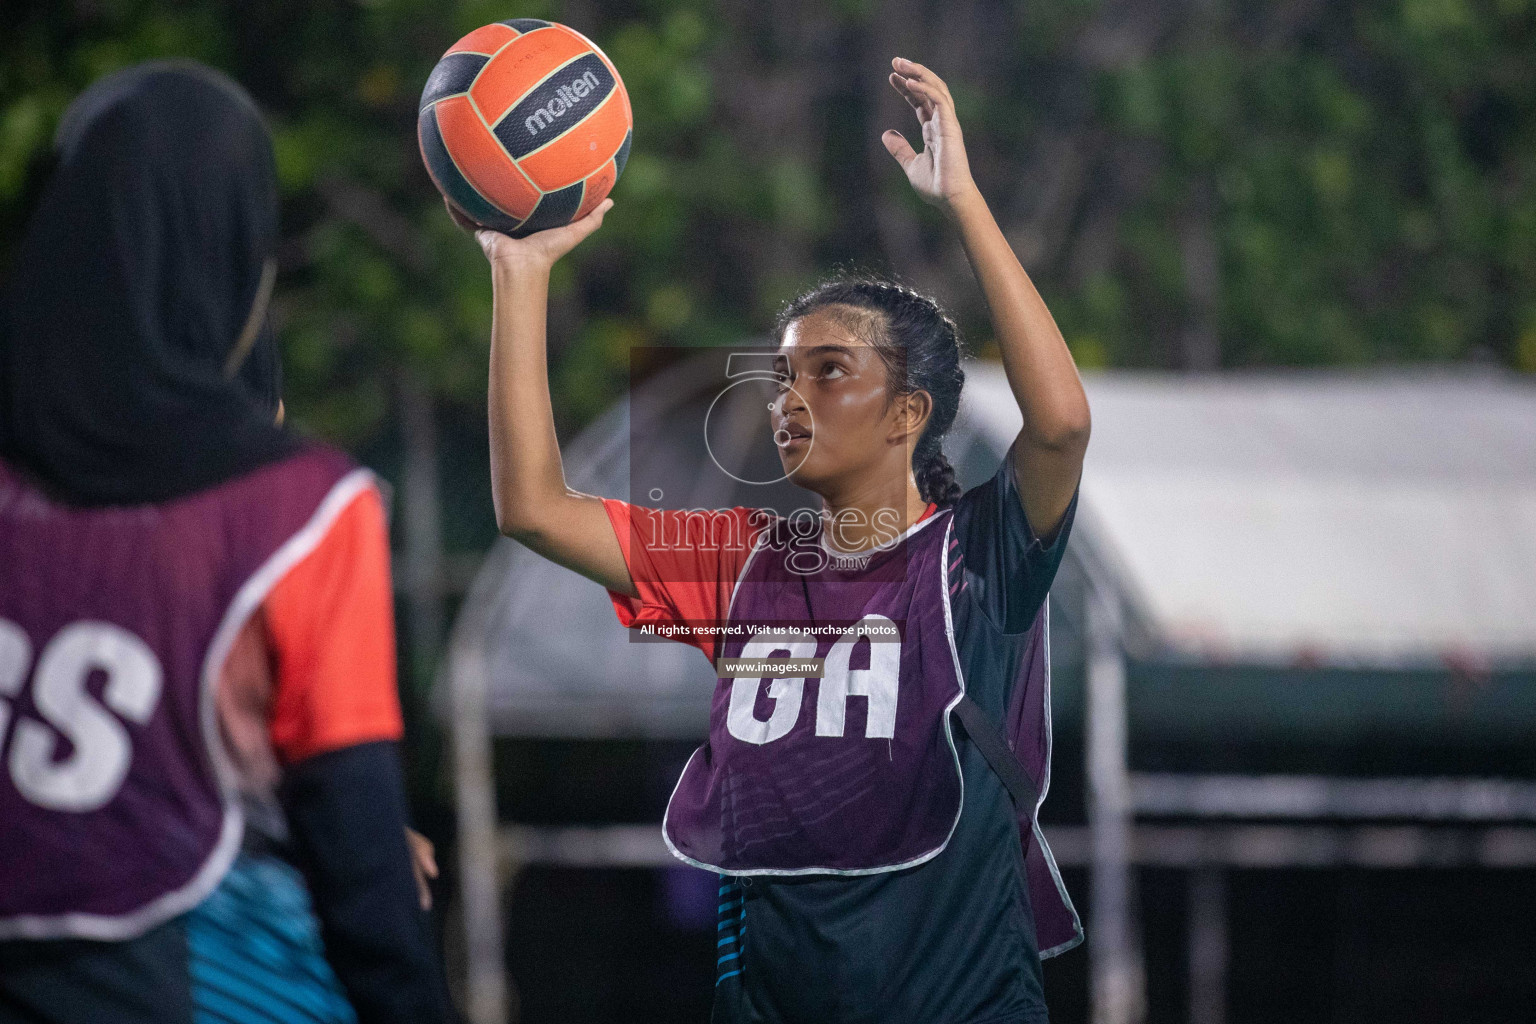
(147, 260)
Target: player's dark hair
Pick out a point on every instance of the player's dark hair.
(920, 347)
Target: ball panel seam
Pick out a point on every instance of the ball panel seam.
(487, 39)
(449, 177)
(480, 158)
(548, 167)
(519, 69)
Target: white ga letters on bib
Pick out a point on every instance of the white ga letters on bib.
(879, 684)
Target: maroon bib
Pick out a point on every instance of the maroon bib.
(117, 801)
(855, 772)
(852, 773)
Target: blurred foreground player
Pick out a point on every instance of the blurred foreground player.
(197, 664)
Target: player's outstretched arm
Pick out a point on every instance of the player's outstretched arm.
(1048, 454)
(533, 504)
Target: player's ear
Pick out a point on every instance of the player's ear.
(912, 412)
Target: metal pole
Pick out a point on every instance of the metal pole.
(1208, 946)
(423, 529)
(475, 796)
(1117, 986)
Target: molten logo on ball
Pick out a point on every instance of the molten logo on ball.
(565, 98)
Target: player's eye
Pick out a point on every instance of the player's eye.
(832, 371)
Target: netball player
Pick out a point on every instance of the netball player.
(197, 663)
(871, 862)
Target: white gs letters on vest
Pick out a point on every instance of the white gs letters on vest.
(15, 656)
(94, 770)
(878, 683)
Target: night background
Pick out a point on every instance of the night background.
(1193, 185)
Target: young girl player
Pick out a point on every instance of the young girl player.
(870, 859)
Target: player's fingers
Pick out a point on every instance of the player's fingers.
(458, 217)
(592, 221)
(423, 865)
(897, 145)
(921, 74)
(423, 894)
(931, 95)
(912, 69)
(556, 242)
(489, 239)
(900, 85)
(424, 852)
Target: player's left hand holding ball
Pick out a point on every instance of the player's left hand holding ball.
(525, 126)
(539, 250)
(940, 173)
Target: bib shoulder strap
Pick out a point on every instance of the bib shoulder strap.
(994, 747)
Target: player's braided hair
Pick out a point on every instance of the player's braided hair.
(920, 347)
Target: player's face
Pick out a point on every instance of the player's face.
(833, 419)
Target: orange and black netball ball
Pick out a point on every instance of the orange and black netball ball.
(524, 125)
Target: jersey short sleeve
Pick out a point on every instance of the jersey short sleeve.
(331, 631)
(684, 564)
(1008, 566)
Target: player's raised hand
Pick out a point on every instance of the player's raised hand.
(542, 248)
(940, 173)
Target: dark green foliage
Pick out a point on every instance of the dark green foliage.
(1288, 183)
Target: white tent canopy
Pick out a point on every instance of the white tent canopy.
(1378, 518)
(1363, 518)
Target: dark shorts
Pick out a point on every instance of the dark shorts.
(248, 954)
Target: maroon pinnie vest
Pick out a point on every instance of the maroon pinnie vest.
(856, 772)
(117, 801)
